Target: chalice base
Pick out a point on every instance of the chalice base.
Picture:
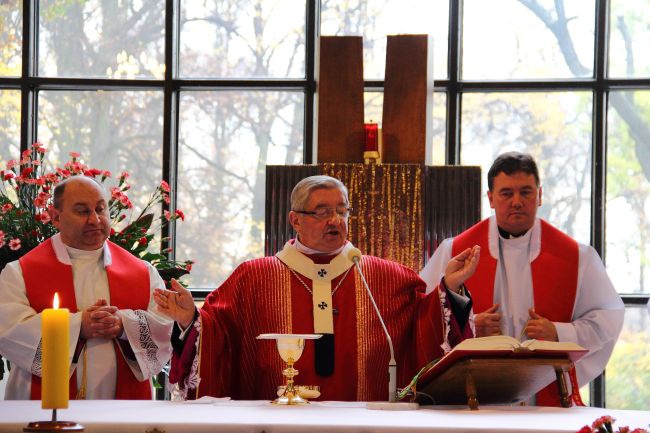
(53, 426)
(289, 399)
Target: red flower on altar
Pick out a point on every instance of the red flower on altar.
(605, 424)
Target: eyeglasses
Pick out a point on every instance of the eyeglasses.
(323, 213)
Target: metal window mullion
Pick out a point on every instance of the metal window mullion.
(454, 87)
(312, 33)
(170, 112)
(599, 155)
(28, 131)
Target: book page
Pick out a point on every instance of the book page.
(495, 342)
(551, 345)
(505, 342)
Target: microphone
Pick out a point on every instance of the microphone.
(355, 256)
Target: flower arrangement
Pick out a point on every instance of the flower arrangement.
(26, 196)
(604, 424)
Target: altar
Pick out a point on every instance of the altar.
(218, 415)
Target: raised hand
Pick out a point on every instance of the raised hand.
(488, 322)
(540, 328)
(461, 267)
(176, 303)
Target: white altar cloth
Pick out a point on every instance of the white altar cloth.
(124, 416)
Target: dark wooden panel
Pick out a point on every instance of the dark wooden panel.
(407, 99)
(280, 180)
(452, 203)
(340, 99)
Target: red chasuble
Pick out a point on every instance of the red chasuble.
(554, 273)
(128, 281)
(263, 296)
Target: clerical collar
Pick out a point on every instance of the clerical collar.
(506, 235)
(76, 253)
(312, 252)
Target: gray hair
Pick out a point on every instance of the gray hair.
(304, 188)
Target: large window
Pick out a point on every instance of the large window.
(205, 93)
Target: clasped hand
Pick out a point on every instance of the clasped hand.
(101, 320)
(540, 328)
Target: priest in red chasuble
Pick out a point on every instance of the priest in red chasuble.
(312, 286)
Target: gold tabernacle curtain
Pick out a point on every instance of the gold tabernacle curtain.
(401, 211)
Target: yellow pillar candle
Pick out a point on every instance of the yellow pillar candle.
(55, 328)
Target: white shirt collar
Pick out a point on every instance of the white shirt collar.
(61, 251)
(535, 234)
(312, 252)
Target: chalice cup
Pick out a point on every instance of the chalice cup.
(290, 347)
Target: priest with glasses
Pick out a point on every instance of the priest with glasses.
(313, 286)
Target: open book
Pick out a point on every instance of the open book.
(505, 342)
(504, 369)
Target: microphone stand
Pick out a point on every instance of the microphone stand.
(392, 364)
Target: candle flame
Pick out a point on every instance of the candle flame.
(55, 303)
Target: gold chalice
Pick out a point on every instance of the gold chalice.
(290, 347)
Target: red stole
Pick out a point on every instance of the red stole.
(554, 273)
(128, 282)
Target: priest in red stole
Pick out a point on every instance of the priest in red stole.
(118, 340)
(532, 280)
(312, 286)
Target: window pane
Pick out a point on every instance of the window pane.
(102, 39)
(374, 19)
(439, 127)
(9, 126)
(226, 140)
(628, 370)
(628, 191)
(555, 128)
(116, 131)
(629, 41)
(506, 39)
(243, 38)
(11, 38)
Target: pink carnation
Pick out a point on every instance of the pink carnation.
(74, 155)
(11, 164)
(43, 217)
(164, 186)
(180, 214)
(14, 244)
